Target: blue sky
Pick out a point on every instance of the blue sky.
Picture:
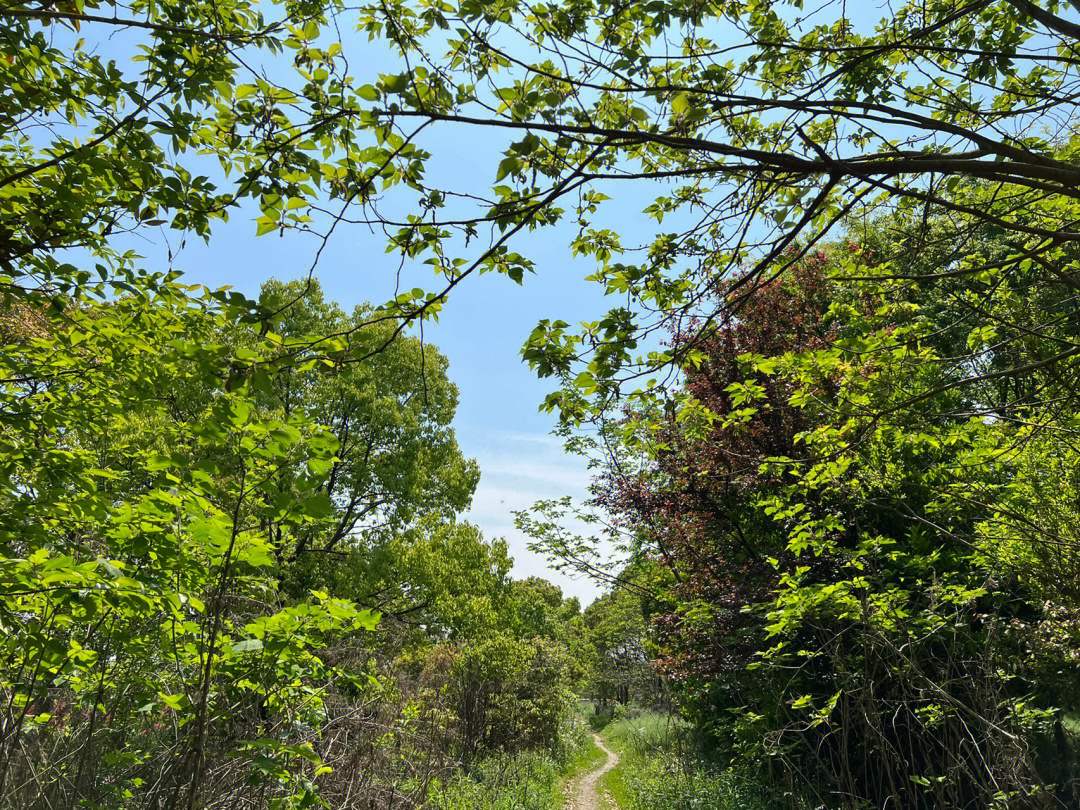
(484, 324)
(486, 319)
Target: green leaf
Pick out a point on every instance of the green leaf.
(159, 462)
(247, 645)
(319, 506)
(507, 166)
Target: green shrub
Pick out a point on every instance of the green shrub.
(600, 719)
(508, 694)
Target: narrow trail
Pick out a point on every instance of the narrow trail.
(585, 793)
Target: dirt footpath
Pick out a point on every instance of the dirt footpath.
(584, 792)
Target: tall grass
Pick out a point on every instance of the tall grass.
(647, 734)
(659, 771)
(529, 781)
(520, 782)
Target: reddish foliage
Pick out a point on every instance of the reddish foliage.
(694, 502)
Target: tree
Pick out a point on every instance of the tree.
(162, 480)
(615, 628)
(817, 592)
(773, 121)
(398, 459)
(136, 563)
(443, 579)
(951, 119)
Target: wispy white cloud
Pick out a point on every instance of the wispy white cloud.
(511, 436)
(571, 477)
(516, 470)
(498, 503)
(528, 563)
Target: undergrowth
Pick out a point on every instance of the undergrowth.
(659, 771)
(527, 781)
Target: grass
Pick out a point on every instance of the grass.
(657, 771)
(587, 756)
(645, 734)
(614, 784)
(529, 781)
(637, 740)
(520, 782)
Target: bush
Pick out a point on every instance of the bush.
(667, 783)
(506, 694)
(601, 718)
